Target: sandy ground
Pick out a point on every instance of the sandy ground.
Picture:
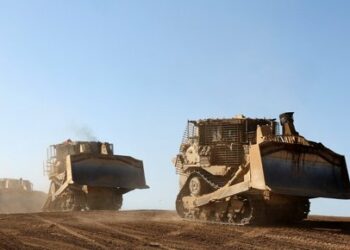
(149, 229)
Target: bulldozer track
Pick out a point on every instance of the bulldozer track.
(260, 212)
(213, 186)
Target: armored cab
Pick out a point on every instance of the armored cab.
(86, 175)
(243, 170)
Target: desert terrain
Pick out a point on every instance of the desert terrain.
(152, 229)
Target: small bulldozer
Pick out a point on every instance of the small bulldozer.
(244, 171)
(86, 175)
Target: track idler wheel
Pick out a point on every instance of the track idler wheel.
(195, 186)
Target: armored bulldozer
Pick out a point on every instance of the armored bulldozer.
(244, 171)
(86, 175)
(18, 196)
(7, 184)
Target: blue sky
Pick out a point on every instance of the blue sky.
(133, 72)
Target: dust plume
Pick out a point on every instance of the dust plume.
(12, 201)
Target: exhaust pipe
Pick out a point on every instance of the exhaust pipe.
(287, 122)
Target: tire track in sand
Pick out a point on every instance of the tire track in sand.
(71, 232)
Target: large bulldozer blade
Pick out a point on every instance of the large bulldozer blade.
(107, 171)
(300, 170)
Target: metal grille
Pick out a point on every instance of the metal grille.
(226, 141)
(51, 160)
(190, 132)
(226, 133)
(226, 137)
(230, 156)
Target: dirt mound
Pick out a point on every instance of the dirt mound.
(162, 229)
(21, 201)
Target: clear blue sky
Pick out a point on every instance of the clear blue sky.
(133, 72)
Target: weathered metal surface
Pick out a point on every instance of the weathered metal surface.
(222, 193)
(246, 161)
(108, 171)
(303, 172)
(78, 168)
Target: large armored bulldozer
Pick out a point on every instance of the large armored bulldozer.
(88, 176)
(18, 196)
(244, 171)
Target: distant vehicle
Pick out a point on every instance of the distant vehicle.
(87, 175)
(18, 196)
(242, 170)
(7, 184)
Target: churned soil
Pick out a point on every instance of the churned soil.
(151, 229)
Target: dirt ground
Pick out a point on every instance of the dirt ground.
(150, 229)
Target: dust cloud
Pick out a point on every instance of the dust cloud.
(21, 201)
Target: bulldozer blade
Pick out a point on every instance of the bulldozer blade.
(116, 171)
(301, 170)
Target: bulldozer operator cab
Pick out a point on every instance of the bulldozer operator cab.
(56, 154)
